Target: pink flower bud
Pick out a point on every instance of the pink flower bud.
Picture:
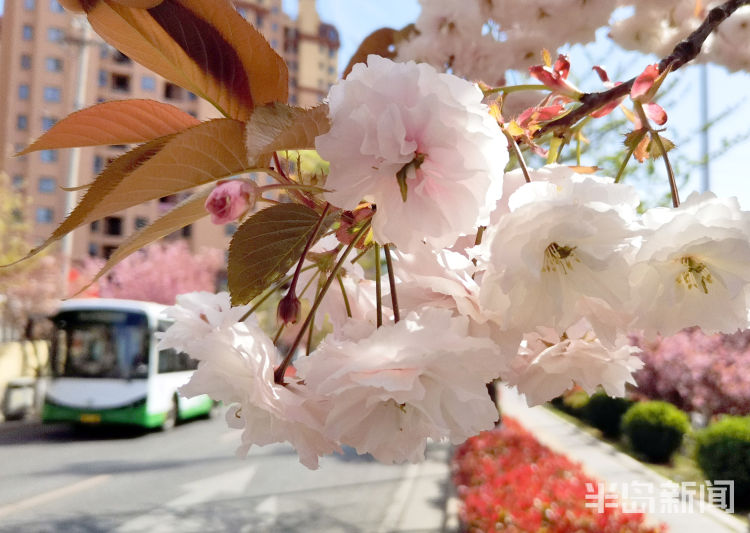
(230, 199)
(289, 309)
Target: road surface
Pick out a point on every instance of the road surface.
(55, 479)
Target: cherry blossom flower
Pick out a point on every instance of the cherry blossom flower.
(197, 315)
(691, 269)
(564, 243)
(394, 387)
(230, 199)
(547, 365)
(418, 144)
(236, 361)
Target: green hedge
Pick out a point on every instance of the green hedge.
(605, 413)
(723, 452)
(655, 429)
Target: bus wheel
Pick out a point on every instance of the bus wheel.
(173, 416)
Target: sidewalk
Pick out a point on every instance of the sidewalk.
(618, 470)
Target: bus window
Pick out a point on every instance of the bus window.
(101, 344)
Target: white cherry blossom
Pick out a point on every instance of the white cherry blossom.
(393, 387)
(431, 129)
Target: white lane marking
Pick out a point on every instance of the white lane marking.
(395, 510)
(54, 494)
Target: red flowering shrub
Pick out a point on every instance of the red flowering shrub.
(698, 372)
(508, 481)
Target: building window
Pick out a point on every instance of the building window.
(44, 215)
(93, 249)
(25, 61)
(52, 94)
(187, 231)
(148, 83)
(107, 251)
(98, 164)
(94, 226)
(17, 181)
(53, 64)
(172, 91)
(55, 7)
(27, 34)
(274, 27)
(23, 92)
(47, 185)
(55, 35)
(48, 156)
(113, 226)
(22, 122)
(229, 229)
(259, 20)
(29, 5)
(119, 57)
(192, 96)
(103, 78)
(140, 222)
(48, 122)
(120, 82)
(274, 44)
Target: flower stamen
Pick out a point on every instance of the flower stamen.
(559, 256)
(697, 274)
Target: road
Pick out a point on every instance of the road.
(55, 479)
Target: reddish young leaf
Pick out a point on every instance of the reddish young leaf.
(206, 47)
(204, 153)
(119, 122)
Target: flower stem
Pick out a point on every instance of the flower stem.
(347, 305)
(657, 139)
(621, 170)
(279, 372)
(313, 237)
(268, 292)
(378, 287)
(517, 152)
(392, 282)
(508, 89)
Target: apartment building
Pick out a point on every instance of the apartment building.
(51, 63)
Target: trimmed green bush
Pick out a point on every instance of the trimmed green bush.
(723, 452)
(572, 402)
(655, 429)
(605, 413)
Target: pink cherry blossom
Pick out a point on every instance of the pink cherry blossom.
(230, 199)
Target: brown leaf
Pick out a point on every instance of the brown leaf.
(119, 122)
(206, 47)
(281, 127)
(185, 213)
(204, 153)
(380, 42)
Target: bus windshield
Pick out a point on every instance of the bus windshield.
(101, 344)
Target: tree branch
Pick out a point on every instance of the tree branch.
(685, 51)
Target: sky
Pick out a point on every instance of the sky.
(730, 174)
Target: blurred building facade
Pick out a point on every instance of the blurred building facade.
(51, 64)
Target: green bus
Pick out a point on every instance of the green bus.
(106, 368)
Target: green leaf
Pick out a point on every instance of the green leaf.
(266, 246)
(183, 214)
(655, 151)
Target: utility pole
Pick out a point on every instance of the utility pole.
(705, 145)
(81, 39)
